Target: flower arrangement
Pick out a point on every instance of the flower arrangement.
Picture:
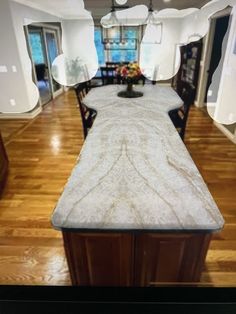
(130, 72)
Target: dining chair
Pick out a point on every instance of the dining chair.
(93, 84)
(108, 75)
(143, 79)
(87, 115)
(84, 88)
(179, 117)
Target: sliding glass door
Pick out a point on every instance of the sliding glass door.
(44, 47)
(52, 49)
(39, 59)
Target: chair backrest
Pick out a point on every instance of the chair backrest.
(108, 75)
(188, 95)
(85, 87)
(179, 117)
(143, 79)
(87, 115)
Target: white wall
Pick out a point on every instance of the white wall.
(9, 56)
(225, 112)
(79, 62)
(18, 86)
(21, 16)
(162, 61)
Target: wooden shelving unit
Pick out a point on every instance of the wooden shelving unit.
(187, 77)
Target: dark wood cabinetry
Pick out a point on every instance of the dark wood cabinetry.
(3, 164)
(99, 259)
(134, 259)
(188, 74)
(169, 258)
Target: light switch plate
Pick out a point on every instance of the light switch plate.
(12, 102)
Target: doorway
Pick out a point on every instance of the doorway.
(44, 47)
(217, 54)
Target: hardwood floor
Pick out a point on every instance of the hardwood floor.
(215, 157)
(42, 153)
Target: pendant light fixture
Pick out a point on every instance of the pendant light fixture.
(113, 20)
(150, 18)
(113, 34)
(121, 2)
(154, 29)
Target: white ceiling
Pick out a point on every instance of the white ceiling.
(61, 8)
(68, 8)
(101, 7)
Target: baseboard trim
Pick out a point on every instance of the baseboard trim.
(198, 104)
(25, 115)
(226, 132)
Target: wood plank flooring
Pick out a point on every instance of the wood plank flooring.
(215, 157)
(42, 153)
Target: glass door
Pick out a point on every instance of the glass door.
(39, 59)
(52, 48)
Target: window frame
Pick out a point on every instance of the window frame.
(108, 53)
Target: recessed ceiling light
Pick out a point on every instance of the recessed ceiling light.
(166, 0)
(121, 2)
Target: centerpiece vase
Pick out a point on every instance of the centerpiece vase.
(130, 87)
(129, 92)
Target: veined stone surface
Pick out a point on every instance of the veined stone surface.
(134, 172)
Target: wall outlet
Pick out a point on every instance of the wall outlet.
(12, 102)
(209, 93)
(3, 69)
(14, 68)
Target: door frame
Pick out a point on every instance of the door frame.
(45, 27)
(34, 76)
(206, 57)
(54, 31)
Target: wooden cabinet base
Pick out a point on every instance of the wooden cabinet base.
(99, 259)
(169, 258)
(141, 260)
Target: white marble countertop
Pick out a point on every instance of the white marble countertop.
(134, 172)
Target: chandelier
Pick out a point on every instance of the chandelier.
(114, 35)
(154, 28)
(113, 20)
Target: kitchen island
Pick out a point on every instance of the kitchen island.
(135, 210)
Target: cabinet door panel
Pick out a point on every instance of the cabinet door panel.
(169, 258)
(100, 259)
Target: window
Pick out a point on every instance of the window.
(99, 45)
(123, 55)
(36, 47)
(118, 53)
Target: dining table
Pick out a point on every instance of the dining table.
(135, 210)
